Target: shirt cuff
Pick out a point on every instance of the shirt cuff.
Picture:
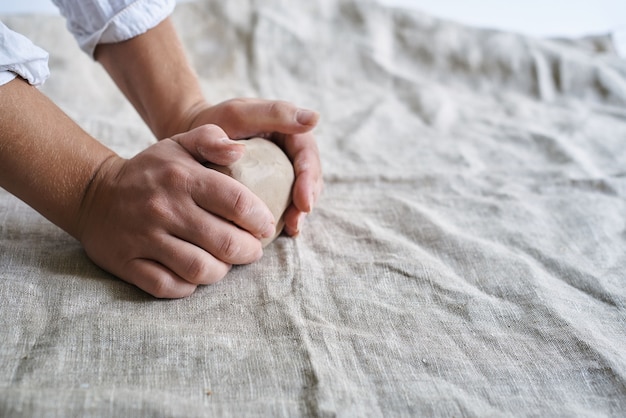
(20, 57)
(97, 22)
(6, 76)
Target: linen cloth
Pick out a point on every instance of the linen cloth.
(467, 257)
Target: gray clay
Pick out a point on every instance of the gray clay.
(267, 172)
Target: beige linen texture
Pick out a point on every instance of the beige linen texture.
(467, 257)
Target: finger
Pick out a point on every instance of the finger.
(156, 279)
(213, 235)
(245, 118)
(293, 221)
(189, 262)
(210, 143)
(303, 152)
(224, 196)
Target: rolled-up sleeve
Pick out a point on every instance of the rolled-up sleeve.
(20, 57)
(93, 22)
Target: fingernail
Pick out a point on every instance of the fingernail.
(269, 234)
(269, 231)
(306, 117)
(300, 222)
(311, 202)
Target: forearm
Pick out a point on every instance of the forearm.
(154, 74)
(45, 158)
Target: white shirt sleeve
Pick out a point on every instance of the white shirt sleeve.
(20, 57)
(107, 21)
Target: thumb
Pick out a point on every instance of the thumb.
(209, 143)
(245, 118)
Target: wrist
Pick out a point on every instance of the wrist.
(46, 160)
(153, 72)
(96, 186)
(182, 121)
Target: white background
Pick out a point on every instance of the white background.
(532, 17)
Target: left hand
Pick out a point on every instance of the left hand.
(285, 124)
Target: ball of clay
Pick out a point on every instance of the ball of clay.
(267, 172)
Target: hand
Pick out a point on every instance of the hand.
(285, 124)
(168, 108)
(167, 224)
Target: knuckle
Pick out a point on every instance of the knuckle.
(234, 103)
(157, 208)
(208, 130)
(203, 130)
(229, 249)
(197, 271)
(174, 177)
(233, 109)
(280, 110)
(173, 171)
(160, 288)
(242, 205)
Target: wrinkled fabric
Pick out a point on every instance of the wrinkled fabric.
(108, 21)
(20, 57)
(91, 22)
(467, 256)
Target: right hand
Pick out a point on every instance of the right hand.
(165, 223)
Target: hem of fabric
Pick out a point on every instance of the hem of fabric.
(134, 20)
(6, 76)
